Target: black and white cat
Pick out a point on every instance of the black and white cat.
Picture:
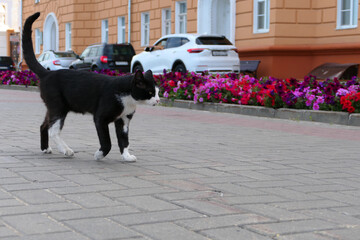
(109, 99)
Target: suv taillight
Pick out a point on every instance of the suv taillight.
(104, 59)
(195, 50)
(56, 62)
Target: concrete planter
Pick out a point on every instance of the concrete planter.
(330, 117)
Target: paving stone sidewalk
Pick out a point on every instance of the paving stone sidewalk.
(199, 175)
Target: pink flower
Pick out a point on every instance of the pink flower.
(316, 106)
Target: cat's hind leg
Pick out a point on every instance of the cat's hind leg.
(44, 136)
(122, 133)
(54, 133)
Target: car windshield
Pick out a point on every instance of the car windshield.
(65, 55)
(119, 50)
(212, 41)
(6, 60)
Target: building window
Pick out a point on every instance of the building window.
(180, 17)
(105, 31)
(261, 16)
(68, 36)
(145, 29)
(121, 29)
(166, 21)
(37, 40)
(347, 14)
(37, 1)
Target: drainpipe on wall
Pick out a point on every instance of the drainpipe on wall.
(21, 28)
(129, 21)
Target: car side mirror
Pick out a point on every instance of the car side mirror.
(149, 49)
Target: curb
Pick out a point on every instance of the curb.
(331, 117)
(341, 118)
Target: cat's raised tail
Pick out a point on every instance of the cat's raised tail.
(28, 49)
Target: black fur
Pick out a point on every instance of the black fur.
(85, 92)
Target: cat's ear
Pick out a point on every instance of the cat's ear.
(139, 79)
(148, 74)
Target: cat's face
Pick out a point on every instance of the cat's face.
(144, 88)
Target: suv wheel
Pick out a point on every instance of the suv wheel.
(180, 67)
(138, 67)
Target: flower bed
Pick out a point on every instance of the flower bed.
(26, 78)
(330, 95)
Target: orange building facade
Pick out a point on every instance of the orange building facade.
(289, 37)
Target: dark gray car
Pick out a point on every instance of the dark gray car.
(6, 63)
(105, 56)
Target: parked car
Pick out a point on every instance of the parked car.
(105, 56)
(55, 60)
(189, 52)
(6, 63)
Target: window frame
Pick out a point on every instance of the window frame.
(121, 29)
(68, 33)
(145, 29)
(266, 16)
(353, 15)
(180, 17)
(105, 31)
(165, 22)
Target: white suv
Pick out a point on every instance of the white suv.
(188, 52)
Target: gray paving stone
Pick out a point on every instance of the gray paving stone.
(7, 232)
(165, 231)
(34, 224)
(203, 223)
(133, 182)
(154, 217)
(85, 213)
(91, 200)
(43, 208)
(52, 236)
(86, 189)
(41, 176)
(39, 196)
(233, 233)
(101, 229)
(208, 207)
(148, 203)
(290, 227)
(302, 236)
(347, 233)
(311, 204)
(138, 192)
(274, 212)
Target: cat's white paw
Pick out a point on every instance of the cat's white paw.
(48, 150)
(69, 152)
(129, 158)
(98, 155)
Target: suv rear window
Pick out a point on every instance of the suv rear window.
(60, 55)
(6, 60)
(119, 50)
(212, 41)
(64, 55)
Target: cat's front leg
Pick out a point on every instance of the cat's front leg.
(122, 133)
(102, 129)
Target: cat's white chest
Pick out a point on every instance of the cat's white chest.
(129, 104)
